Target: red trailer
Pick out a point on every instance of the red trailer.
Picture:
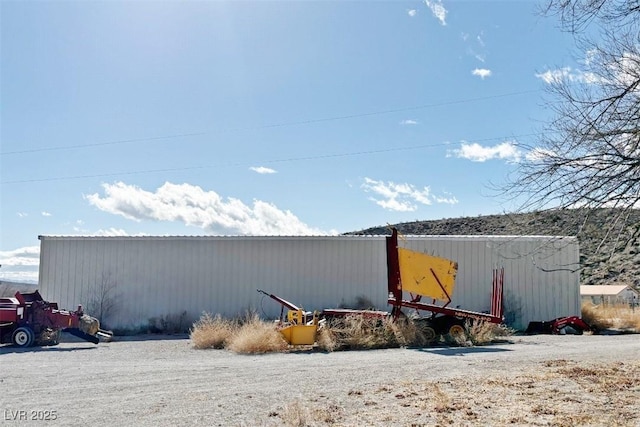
(27, 319)
(417, 275)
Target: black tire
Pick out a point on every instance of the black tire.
(56, 338)
(428, 331)
(23, 336)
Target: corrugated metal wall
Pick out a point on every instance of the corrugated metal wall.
(160, 276)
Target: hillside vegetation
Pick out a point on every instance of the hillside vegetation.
(606, 257)
(8, 289)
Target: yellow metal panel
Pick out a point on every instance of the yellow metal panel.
(417, 276)
(300, 334)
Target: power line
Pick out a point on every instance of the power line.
(99, 144)
(267, 126)
(284, 160)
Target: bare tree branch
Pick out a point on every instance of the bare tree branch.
(589, 153)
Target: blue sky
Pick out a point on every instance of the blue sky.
(269, 117)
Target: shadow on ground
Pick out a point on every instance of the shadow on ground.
(461, 351)
(8, 349)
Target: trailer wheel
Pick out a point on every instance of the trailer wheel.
(457, 331)
(23, 336)
(429, 334)
(427, 329)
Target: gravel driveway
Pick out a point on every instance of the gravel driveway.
(162, 381)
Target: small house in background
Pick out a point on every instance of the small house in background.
(609, 294)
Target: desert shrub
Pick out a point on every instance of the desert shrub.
(361, 332)
(611, 316)
(326, 339)
(212, 331)
(478, 333)
(460, 340)
(256, 336)
(295, 415)
(482, 333)
(407, 332)
(594, 317)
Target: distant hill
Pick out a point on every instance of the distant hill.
(8, 289)
(606, 259)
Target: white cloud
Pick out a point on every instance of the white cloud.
(481, 72)
(401, 197)
(438, 10)
(589, 56)
(78, 227)
(108, 232)
(196, 207)
(478, 50)
(447, 199)
(622, 69)
(625, 69)
(408, 122)
(538, 154)
(22, 214)
(555, 76)
(112, 232)
(412, 12)
(29, 255)
(566, 74)
(20, 265)
(479, 56)
(477, 153)
(44, 213)
(262, 169)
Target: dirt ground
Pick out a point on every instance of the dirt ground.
(161, 381)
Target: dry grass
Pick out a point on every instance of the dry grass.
(298, 414)
(295, 414)
(483, 333)
(247, 335)
(361, 333)
(326, 339)
(619, 316)
(553, 393)
(256, 336)
(212, 331)
(354, 332)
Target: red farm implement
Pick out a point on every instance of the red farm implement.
(561, 325)
(416, 275)
(419, 275)
(27, 319)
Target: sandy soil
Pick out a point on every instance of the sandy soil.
(162, 381)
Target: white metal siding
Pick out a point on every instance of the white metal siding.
(160, 276)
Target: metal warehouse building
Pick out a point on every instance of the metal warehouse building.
(151, 277)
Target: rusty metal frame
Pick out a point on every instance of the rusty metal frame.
(397, 302)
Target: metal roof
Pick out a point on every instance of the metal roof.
(309, 237)
(596, 290)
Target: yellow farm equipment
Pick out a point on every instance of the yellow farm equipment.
(300, 327)
(408, 272)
